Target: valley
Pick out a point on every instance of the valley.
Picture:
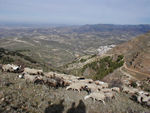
(60, 45)
(74, 67)
(74, 56)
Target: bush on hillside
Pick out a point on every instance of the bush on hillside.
(104, 66)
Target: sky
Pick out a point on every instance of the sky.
(75, 12)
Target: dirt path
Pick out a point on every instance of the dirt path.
(22, 41)
(141, 75)
(127, 74)
(125, 66)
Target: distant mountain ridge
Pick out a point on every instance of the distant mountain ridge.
(142, 28)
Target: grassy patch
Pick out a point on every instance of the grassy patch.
(104, 66)
(5, 56)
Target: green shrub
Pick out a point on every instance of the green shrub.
(120, 57)
(6, 60)
(13, 53)
(104, 66)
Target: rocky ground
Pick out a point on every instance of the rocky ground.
(18, 96)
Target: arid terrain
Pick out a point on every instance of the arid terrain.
(137, 54)
(60, 45)
(57, 69)
(17, 95)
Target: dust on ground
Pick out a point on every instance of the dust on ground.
(20, 96)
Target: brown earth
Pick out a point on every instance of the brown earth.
(137, 54)
(19, 96)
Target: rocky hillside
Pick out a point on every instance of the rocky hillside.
(44, 93)
(137, 53)
(95, 66)
(42, 90)
(16, 57)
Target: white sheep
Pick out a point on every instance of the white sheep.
(130, 90)
(99, 96)
(86, 80)
(93, 87)
(30, 78)
(139, 99)
(110, 95)
(33, 71)
(103, 84)
(116, 89)
(6, 68)
(106, 90)
(10, 68)
(50, 74)
(146, 99)
(68, 78)
(76, 86)
(143, 93)
(143, 99)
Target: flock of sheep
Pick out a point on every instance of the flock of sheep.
(138, 95)
(97, 90)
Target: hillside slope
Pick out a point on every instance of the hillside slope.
(16, 57)
(95, 66)
(137, 53)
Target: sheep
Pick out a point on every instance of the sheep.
(10, 68)
(143, 93)
(103, 84)
(33, 71)
(76, 86)
(40, 79)
(110, 95)
(6, 68)
(92, 87)
(142, 99)
(50, 75)
(116, 89)
(130, 90)
(139, 99)
(145, 98)
(63, 80)
(51, 82)
(68, 78)
(106, 90)
(66, 83)
(86, 80)
(99, 96)
(29, 78)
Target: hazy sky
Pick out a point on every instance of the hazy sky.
(76, 11)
